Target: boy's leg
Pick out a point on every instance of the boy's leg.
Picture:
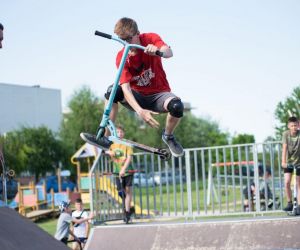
(128, 190)
(128, 198)
(175, 108)
(298, 191)
(119, 97)
(113, 114)
(288, 191)
(287, 186)
(75, 246)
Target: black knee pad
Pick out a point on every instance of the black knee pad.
(175, 107)
(119, 94)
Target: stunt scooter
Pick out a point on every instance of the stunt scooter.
(294, 212)
(101, 141)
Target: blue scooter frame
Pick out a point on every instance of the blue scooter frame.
(100, 140)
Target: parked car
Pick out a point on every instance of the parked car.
(142, 180)
(163, 177)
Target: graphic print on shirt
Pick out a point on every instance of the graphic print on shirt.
(145, 78)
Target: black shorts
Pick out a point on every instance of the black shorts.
(290, 170)
(126, 182)
(82, 239)
(245, 193)
(154, 102)
(64, 240)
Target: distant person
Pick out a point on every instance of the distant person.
(1, 35)
(291, 159)
(121, 156)
(64, 221)
(80, 230)
(249, 201)
(265, 192)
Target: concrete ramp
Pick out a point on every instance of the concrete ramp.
(260, 234)
(18, 232)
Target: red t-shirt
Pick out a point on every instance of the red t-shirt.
(145, 73)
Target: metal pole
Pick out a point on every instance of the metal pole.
(256, 178)
(4, 176)
(188, 183)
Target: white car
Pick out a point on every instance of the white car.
(162, 178)
(142, 180)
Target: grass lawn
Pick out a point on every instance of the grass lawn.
(48, 225)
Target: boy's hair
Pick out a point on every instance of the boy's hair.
(268, 171)
(1, 26)
(292, 119)
(126, 27)
(78, 200)
(119, 126)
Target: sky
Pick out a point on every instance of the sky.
(234, 61)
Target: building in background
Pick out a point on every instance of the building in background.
(29, 106)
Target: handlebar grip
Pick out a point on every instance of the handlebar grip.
(98, 33)
(159, 53)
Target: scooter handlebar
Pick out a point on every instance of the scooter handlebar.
(98, 33)
(159, 53)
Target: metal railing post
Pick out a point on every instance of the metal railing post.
(189, 183)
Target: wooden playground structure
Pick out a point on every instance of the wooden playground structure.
(34, 202)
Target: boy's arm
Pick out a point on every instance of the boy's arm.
(283, 157)
(145, 114)
(126, 164)
(72, 234)
(79, 221)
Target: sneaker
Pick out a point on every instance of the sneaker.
(289, 207)
(102, 142)
(132, 210)
(127, 217)
(175, 148)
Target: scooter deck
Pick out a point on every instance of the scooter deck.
(104, 143)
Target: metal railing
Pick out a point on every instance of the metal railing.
(205, 181)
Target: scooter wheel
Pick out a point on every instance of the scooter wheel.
(165, 154)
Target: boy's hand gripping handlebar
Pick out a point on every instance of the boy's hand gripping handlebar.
(98, 33)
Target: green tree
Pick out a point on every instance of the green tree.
(197, 132)
(33, 149)
(14, 151)
(243, 139)
(85, 113)
(290, 106)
